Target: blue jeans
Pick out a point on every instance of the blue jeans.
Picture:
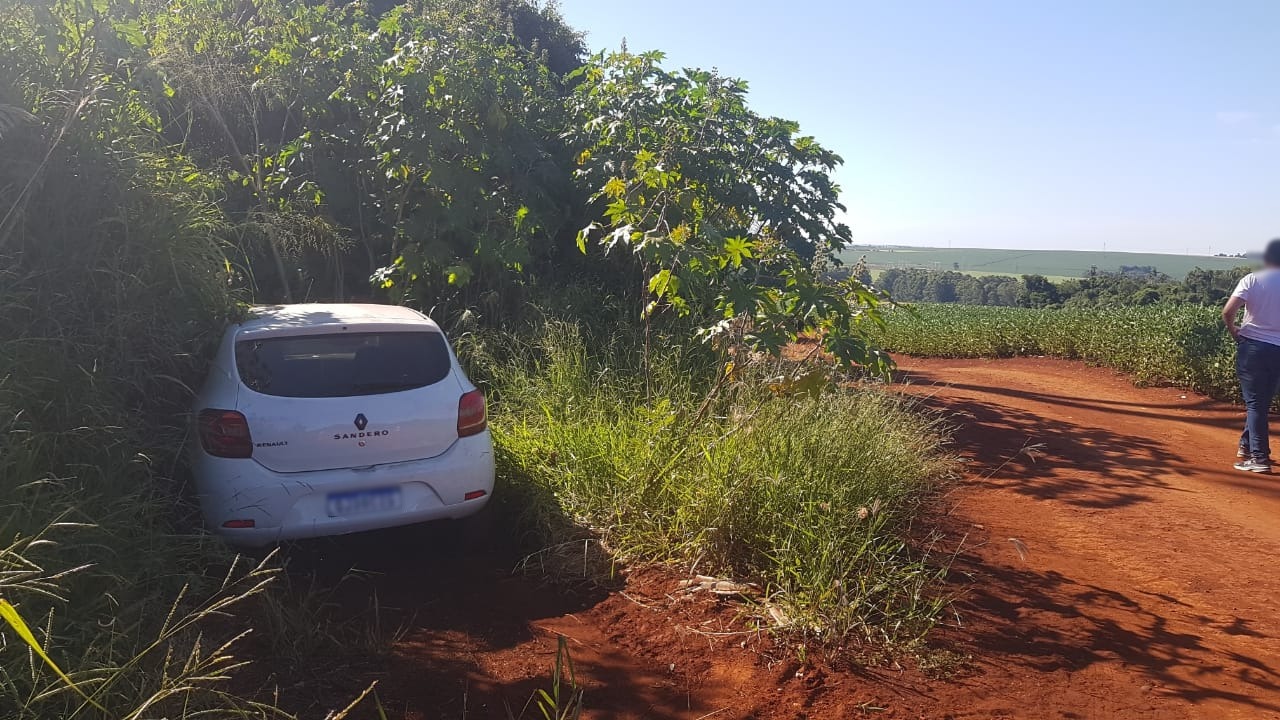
(1258, 367)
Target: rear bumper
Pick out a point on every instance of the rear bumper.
(292, 506)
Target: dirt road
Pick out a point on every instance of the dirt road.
(1111, 565)
(1147, 587)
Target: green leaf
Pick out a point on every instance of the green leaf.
(458, 274)
(665, 284)
(740, 297)
(736, 249)
(10, 615)
(584, 235)
(614, 188)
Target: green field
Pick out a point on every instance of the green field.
(1181, 345)
(1051, 263)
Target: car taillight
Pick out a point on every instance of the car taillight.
(471, 416)
(225, 433)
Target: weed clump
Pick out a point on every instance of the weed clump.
(806, 496)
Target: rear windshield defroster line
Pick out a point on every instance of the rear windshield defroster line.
(342, 364)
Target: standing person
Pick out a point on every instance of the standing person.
(1257, 355)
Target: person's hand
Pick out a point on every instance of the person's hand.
(1234, 331)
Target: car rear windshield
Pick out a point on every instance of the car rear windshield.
(342, 364)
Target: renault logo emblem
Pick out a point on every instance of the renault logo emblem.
(361, 422)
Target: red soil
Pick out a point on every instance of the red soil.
(1110, 565)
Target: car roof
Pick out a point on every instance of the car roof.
(268, 319)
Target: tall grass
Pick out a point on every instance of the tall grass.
(111, 287)
(808, 497)
(1161, 344)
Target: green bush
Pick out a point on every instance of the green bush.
(1179, 345)
(807, 496)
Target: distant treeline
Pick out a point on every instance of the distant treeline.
(1138, 285)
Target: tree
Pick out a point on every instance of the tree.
(437, 150)
(722, 208)
(968, 290)
(1145, 296)
(1038, 292)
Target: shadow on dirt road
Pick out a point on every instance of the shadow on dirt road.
(1104, 542)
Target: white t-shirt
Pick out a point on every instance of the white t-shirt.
(1261, 294)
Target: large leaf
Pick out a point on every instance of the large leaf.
(10, 615)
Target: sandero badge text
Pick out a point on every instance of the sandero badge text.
(361, 422)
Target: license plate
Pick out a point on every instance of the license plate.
(363, 502)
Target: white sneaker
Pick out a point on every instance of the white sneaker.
(1254, 466)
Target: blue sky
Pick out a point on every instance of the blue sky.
(1139, 124)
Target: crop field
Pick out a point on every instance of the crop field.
(1163, 344)
(1054, 264)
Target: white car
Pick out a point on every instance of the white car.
(329, 419)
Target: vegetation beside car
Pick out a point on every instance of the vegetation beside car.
(805, 490)
(164, 164)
